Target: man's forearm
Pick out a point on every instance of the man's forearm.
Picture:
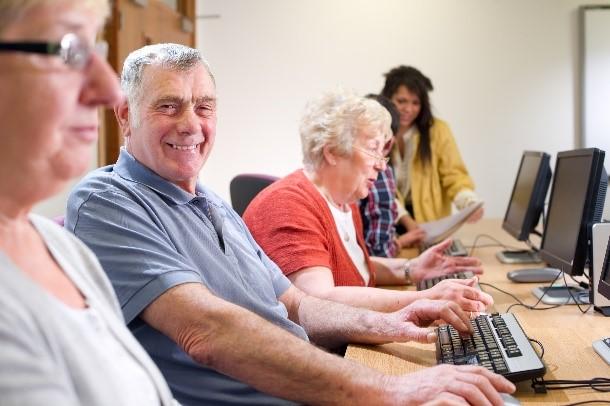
(276, 362)
(330, 324)
(241, 344)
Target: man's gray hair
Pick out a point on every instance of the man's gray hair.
(334, 119)
(169, 56)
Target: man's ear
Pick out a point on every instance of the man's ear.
(121, 112)
(329, 155)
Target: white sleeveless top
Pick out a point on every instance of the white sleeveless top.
(347, 231)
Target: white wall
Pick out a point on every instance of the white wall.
(596, 66)
(505, 74)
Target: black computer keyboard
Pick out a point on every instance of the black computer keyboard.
(456, 249)
(498, 344)
(428, 283)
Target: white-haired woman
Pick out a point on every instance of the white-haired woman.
(62, 337)
(309, 225)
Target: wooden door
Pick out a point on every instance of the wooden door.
(133, 24)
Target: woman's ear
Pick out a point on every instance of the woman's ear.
(329, 155)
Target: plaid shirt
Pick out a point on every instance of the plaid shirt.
(379, 213)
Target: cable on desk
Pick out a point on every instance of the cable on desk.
(577, 302)
(585, 273)
(529, 307)
(535, 305)
(519, 302)
(539, 344)
(483, 246)
(497, 243)
(587, 402)
(597, 384)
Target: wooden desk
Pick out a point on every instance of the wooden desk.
(565, 332)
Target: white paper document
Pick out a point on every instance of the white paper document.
(438, 230)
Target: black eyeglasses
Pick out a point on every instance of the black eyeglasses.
(72, 49)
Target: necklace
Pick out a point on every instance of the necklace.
(342, 214)
(343, 221)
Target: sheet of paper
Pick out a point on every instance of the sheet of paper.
(438, 230)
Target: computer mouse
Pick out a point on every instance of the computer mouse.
(509, 400)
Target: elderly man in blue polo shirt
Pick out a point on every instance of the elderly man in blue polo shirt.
(217, 316)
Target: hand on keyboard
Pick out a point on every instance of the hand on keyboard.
(410, 323)
(453, 385)
(433, 262)
(461, 291)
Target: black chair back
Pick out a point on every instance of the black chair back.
(245, 187)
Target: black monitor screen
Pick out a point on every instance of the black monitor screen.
(569, 192)
(571, 209)
(529, 191)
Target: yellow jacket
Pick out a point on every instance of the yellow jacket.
(435, 185)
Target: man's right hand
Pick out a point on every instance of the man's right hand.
(464, 384)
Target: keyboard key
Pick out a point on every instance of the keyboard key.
(513, 353)
(444, 336)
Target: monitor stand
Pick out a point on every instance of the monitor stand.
(560, 295)
(518, 257)
(537, 275)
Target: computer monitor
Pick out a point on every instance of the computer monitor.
(526, 204)
(577, 201)
(603, 287)
(604, 281)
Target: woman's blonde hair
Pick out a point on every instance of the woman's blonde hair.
(334, 119)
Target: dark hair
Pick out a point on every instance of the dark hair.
(416, 82)
(390, 107)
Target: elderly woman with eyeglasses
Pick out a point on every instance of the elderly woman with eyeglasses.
(309, 224)
(62, 336)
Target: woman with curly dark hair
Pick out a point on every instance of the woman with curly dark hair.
(430, 173)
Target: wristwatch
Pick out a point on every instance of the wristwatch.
(408, 272)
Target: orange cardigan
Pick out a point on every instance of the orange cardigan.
(293, 224)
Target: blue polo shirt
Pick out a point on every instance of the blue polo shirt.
(150, 235)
